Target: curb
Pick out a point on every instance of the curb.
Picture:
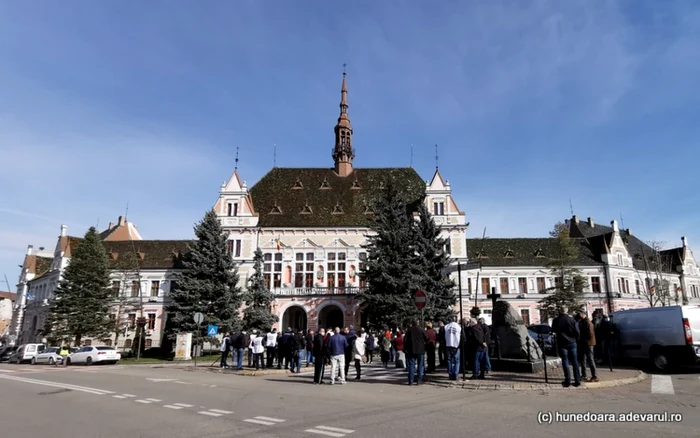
(537, 386)
(244, 372)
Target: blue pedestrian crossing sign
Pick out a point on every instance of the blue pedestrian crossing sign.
(212, 330)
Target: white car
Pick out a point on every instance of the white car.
(49, 355)
(92, 355)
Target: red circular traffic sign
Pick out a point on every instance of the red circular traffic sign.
(420, 299)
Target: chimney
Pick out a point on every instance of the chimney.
(64, 230)
(111, 225)
(614, 225)
(629, 231)
(685, 241)
(121, 220)
(575, 219)
(591, 223)
(30, 248)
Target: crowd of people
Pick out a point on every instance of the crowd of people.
(414, 348)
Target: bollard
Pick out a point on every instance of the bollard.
(540, 338)
(498, 348)
(529, 353)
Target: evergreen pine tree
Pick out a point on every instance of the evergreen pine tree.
(391, 267)
(433, 259)
(208, 282)
(258, 299)
(570, 282)
(81, 304)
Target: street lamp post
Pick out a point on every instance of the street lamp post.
(494, 297)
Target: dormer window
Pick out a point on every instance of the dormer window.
(508, 254)
(539, 254)
(381, 185)
(297, 185)
(325, 184)
(368, 210)
(306, 209)
(276, 209)
(337, 209)
(481, 255)
(356, 185)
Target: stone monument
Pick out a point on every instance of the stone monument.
(512, 333)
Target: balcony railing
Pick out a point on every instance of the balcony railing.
(315, 291)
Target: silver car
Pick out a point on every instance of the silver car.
(50, 356)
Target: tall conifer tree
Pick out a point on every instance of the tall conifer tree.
(81, 304)
(258, 299)
(433, 258)
(569, 281)
(208, 283)
(391, 268)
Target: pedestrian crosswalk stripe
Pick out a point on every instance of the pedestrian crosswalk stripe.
(265, 421)
(276, 420)
(183, 405)
(211, 414)
(219, 411)
(329, 431)
(119, 396)
(661, 384)
(173, 407)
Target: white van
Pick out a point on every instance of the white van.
(666, 336)
(26, 352)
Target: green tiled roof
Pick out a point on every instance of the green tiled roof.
(513, 252)
(318, 197)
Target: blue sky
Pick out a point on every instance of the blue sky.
(531, 104)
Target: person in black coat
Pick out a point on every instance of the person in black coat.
(348, 350)
(567, 333)
(414, 347)
(487, 338)
(442, 347)
(320, 351)
(478, 346)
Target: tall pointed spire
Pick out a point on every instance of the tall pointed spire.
(343, 153)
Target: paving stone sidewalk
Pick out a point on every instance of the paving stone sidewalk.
(504, 381)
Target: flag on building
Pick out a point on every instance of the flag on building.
(279, 244)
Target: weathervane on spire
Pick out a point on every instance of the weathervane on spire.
(236, 168)
(411, 155)
(437, 163)
(274, 155)
(344, 65)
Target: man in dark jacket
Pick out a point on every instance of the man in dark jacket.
(442, 348)
(566, 330)
(320, 350)
(285, 347)
(430, 346)
(487, 340)
(351, 337)
(478, 345)
(298, 343)
(238, 345)
(310, 348)
(586, 343)
(414, 347)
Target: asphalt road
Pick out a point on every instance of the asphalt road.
(107, 401)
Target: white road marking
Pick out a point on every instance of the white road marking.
(160, 380)
(146, 402)
(129, 395)
(154, 400)
(209, 413)
(119, 396)
(182, 383)
(57, 385)
(173, 407)
(183, 405)
(330, 431)
(219, 411)
(661, 384)
(265, 421)
(7, 371)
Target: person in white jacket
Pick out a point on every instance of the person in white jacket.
(358, 351)
(257, 348)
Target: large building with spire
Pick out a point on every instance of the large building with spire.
(311, 224)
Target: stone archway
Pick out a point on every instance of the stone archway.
(331, 316)
(294, 317)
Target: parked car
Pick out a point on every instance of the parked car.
(92, 355)
(26, 352)
(6, 352)
(543, 329)
(666, 336)
(546, 339)
(49, 355)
